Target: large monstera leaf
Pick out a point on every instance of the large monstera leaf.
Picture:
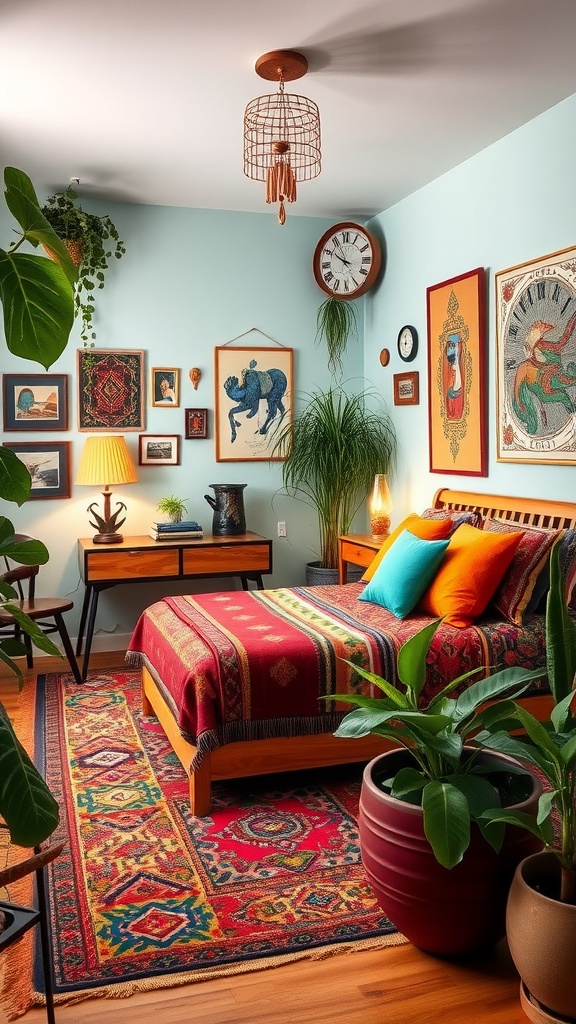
(37, 293)
(26, 804)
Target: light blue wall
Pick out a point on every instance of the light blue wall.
(194, 279)
(512, 203)
(190, 280)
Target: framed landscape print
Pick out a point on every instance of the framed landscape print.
(253, 401)
(196, 423)
(456, 375)
(536, 360)
(49, 466)
(35, 401)
(159, 450)
(165, 390)
(110, 389)
(407, 388)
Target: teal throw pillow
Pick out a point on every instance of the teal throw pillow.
(405, 572)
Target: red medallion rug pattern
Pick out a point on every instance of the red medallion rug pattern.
(146, 895)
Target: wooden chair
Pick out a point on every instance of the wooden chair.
(46, 612)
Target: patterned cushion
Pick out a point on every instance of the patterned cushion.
(472, 518)
(513, 595)
(472, 569)
(537, 603)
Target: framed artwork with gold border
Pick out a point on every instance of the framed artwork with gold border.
(457, 375)
(536, 360)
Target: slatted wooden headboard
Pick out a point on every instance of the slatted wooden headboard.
(542, 512)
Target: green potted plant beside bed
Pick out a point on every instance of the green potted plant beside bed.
(541, 913)
(332, 452)
(91, 241)
(439, 872)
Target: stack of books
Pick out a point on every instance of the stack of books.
(186, 530)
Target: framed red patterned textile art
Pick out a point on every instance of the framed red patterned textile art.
(110, 389)
(536, 360)
(456, 375)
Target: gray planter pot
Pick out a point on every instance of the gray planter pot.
(318, 576)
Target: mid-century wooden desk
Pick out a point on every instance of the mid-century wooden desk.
(143, 560)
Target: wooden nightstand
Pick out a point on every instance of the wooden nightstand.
(358, 548)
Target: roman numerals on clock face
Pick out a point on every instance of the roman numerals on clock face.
(346, 261)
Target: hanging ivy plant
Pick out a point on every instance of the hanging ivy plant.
(336, 322)
(91, 242)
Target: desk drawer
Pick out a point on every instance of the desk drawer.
(132, 564)
(356, 553)
(238, 558)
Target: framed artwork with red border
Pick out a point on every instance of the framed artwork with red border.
(110, 389)
(407, 388)
(457, 357)
(196, 423)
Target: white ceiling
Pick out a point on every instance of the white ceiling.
(143, 101)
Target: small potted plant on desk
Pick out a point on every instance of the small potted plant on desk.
(172, 507)
(541, 914)
(439, 873)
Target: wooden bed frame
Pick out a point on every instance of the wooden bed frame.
(260, 757)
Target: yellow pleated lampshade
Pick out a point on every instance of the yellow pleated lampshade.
(106, 460)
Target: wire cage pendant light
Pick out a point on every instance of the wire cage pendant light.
(281, 131)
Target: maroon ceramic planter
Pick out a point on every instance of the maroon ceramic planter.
(448, 912)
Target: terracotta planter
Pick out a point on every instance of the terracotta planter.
(448, 912)
(542, 938)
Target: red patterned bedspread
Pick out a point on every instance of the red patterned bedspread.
(252, 664)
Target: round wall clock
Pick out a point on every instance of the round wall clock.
(407, 343)
(346, 261)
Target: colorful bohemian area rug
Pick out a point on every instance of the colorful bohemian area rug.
(146, 895)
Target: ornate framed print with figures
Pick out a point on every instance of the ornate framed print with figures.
(196, 423)
(456, 375)
(253, 401)
(536, 360)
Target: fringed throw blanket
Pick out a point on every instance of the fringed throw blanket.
(242, 665)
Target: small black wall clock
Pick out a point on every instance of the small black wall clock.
(407, 343)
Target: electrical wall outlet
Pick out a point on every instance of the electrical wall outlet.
(282, 530)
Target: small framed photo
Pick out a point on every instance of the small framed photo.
(407, 388)
(196, 423)
(159, 449)
(49, 467)
(35, 401)
(165, 386)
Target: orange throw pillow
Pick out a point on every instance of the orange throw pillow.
(425, 529)
(469, 575)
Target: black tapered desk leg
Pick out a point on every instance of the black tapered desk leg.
(82, 622)
(90, 630)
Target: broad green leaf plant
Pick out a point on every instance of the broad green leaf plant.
(549, 746)
(447, 778)
(37, 295)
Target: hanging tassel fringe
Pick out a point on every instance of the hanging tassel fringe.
(280, 187)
